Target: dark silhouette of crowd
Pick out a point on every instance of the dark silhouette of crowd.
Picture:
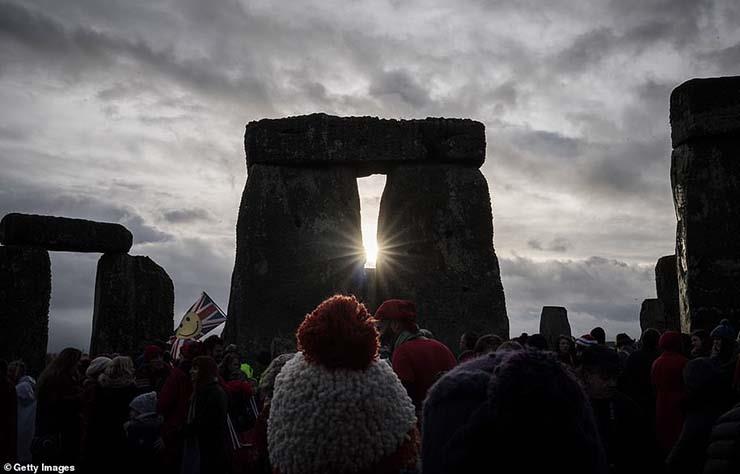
(366, 393)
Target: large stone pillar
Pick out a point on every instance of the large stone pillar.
(25, 290)
(298, 242)
(553, 324)
(134, 304)
(435, 239)
(666, 285)
(705, 176)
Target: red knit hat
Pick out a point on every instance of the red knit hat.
(396, 310)
(151, 352)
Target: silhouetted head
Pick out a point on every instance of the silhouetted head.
(599, 335)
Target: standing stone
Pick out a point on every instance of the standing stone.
(25, 290)
(298, 241)
(666, 283)
(553, 324)
(134, 304)
(652, 315)
(64, 234)
(705, 177)
(435, 240)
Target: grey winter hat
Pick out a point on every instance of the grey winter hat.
(145, 404)
(97, 366)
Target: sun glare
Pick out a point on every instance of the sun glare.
(371, 251)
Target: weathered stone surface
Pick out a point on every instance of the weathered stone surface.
(666, 285)
(367, 141)
(705, 108)
(652, 315)
(298, 242)
(435, 235)
(25, 290)
(64, 234)
(705, 176)
(134, 304)
(553, 324)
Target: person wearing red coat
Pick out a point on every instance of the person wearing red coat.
(417, 360)
(667, 378)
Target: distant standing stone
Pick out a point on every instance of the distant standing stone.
(652, 315)
(64, 234)
(553, 324)
(134, 304)
(25, 290)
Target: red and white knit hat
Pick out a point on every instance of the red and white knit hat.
(336, 407)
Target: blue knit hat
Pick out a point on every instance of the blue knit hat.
(499, 410)
(723, 331)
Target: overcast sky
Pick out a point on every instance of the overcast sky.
(133, 111)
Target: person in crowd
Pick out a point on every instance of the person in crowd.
(213, 346)
(587, 340)
(667, 378)
(261, 461)
(566, 350)
(230, 368)
(26, 411)
(487, 344)
(723, 349)
(153, 370)
(58, 408)
(537, 342)
(467, 346)
(90, 387)
(701, 344)
(142, 431)
(335, 397)
(622, 425)
(635, 381)
(173, 403)
(105, 439)
(82, 366)
(723, 454)
(599, 335)
(510, 346)
(707, 397)
(625, 347)
(522, 339)
(417, 361)
(500, 409)
(207, 441)
(16, 370)
(8, 417)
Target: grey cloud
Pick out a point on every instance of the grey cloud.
(727, 59)
(402, 84)
(144, 233)
(179, 216)
(606, 290)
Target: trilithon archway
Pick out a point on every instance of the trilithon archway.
(299, 236)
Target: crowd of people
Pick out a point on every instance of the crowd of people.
(374, 393)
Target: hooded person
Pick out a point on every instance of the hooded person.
(520, 411)
(336, 407)
(723, 349)
(667, 378)
(417, 361)
(707, 398)
(142, 433)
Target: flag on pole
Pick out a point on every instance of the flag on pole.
(202, 317)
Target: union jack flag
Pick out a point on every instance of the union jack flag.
(209, 313)
(210, 316)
